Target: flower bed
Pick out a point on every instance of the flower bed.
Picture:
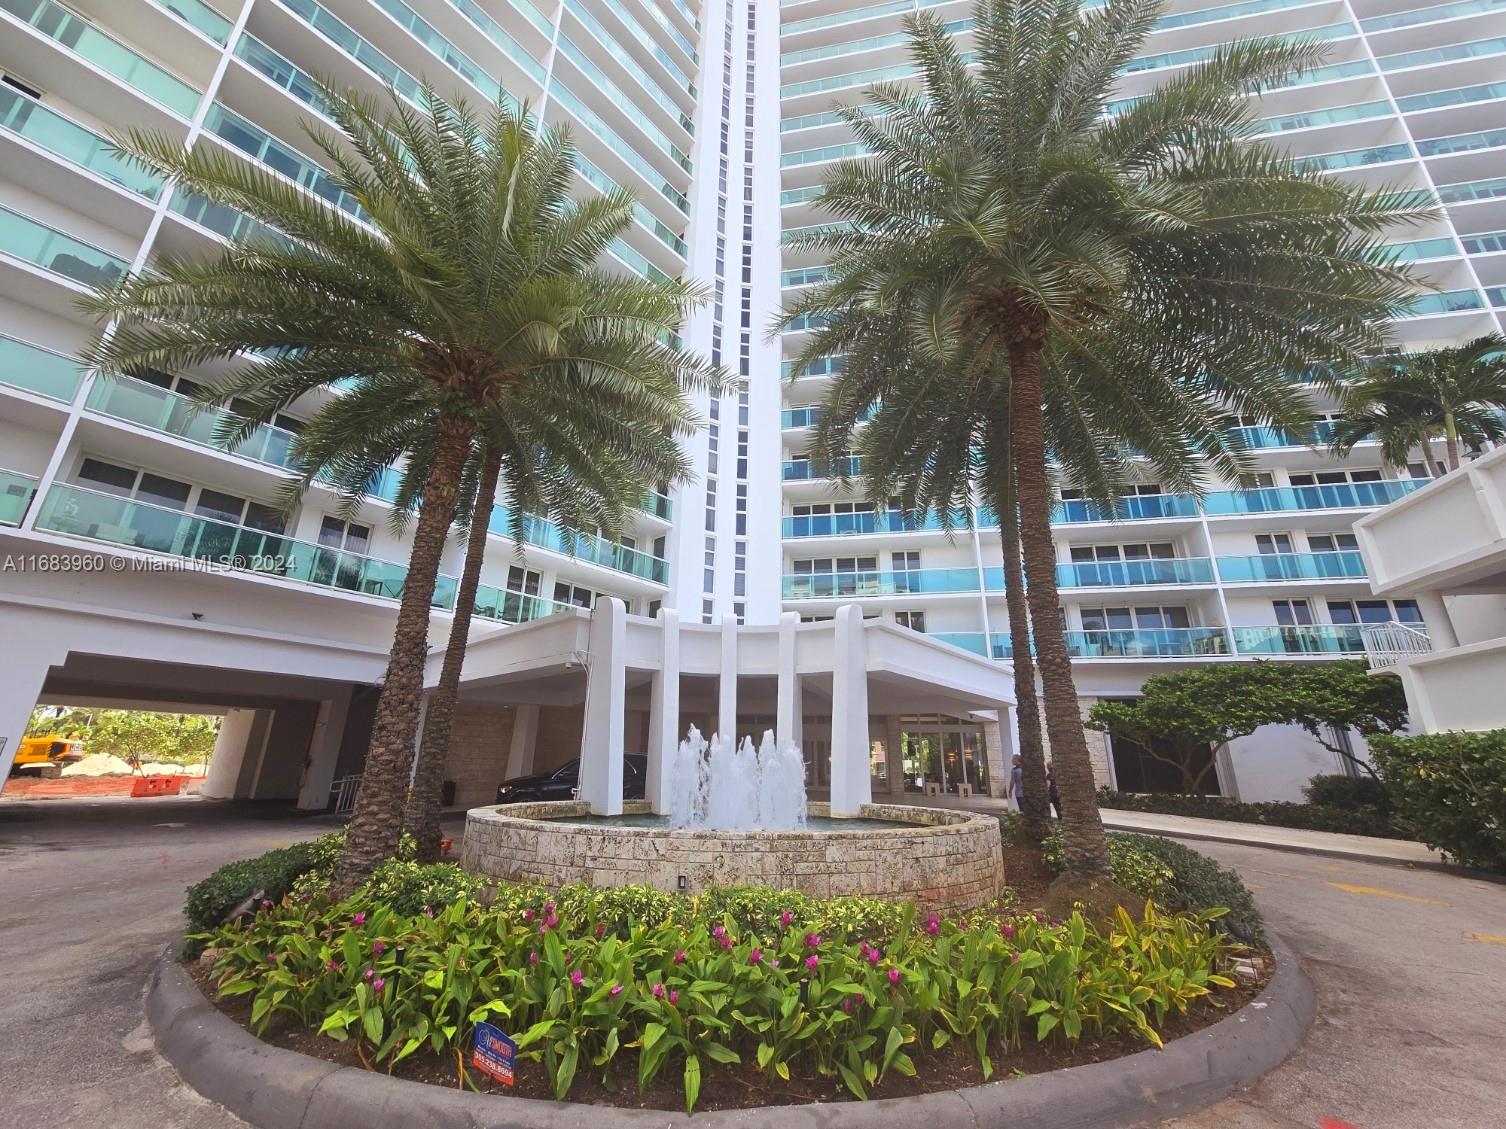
(633, 990)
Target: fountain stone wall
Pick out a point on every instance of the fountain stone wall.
(940, 859)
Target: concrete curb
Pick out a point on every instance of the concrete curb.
(1233, 838)
(273, 1088)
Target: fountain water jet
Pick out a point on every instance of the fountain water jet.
(723, 786)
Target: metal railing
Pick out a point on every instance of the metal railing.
(342, 792)
(1387, 644)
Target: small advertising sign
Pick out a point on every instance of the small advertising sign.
(494, 1053)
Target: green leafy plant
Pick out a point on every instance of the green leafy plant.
(767, 980)
(1450, 788)
(1349, 793)
(1275, 813)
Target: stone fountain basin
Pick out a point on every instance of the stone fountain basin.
(940, 858)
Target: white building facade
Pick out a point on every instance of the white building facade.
(717, 116)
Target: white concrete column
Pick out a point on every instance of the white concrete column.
(24, 664)
(602, 732)
(998, 749)
(1440, 625)
(787, 709)
(525, 736)
(236, 730)
(851, 785)
(324, 753)
(418, 735)
(726, 708)
(664, 714)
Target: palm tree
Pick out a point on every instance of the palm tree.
(1407, 400)
(1149, 260)
(465, 274)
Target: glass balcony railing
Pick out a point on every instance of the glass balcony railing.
(800, 417)
(16, 491)
(1462, 143)
(1291, 566)
(827, 585)
(1457, 96)
(52, 250)
(868, 521)
(807, 470)
(1446, 302)
(611, 92)
(1136, 507)
(1468, 191)
(801, 195)
(1333, 496)
(262, 147)
(513, 607)
(109, 519)
(38, 370)
(201, 17)
(658, 505)
(1479, 49)
(821, 366)
(1496, 296)
(1143, 643)
(67, 139)
(1429, 14)
(1355, 158)
(611, 43)
(1304, 639)
(139, 402)
(1361, 111)
(821, 154)
(106, 52)
(1260, 437)
(1117, 574)
(582, 546)
(1225, 12)
(1415, 249)
(843, 81)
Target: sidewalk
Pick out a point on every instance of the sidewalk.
(1393, 851)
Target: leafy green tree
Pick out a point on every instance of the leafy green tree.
(465, 277)
(1182, 716)
(1149, 265)
(1409, 400)
(147, 736)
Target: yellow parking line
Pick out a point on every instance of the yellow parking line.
(1486, 938)
(1381, 892)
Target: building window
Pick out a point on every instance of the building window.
(914, 620)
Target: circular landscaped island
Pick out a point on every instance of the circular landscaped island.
(937, 858)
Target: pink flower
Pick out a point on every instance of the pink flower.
(658, 991)
(332, 965)
(428, 911)
(266, 903)
(933, 925)
(601, 927)
(548, 907)
(577, 977)
(378, 984)
(533, 958)
(894, 976)
(1007, 929)
(528, 915)
(543, 930)
(812, 960)
(726, 943)
(674, 996)
(359, 919)
(773, 962)
(785, 918)
(377, 947)
(616, 991)
(847, 1005)
(813, 940)
(718, 932)
(679, 956)
(551, 921)
(368, 974)
(874, 956)
(755, 957)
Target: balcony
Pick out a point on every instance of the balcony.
(1147, 643)
(139, 402)
(64, 138)
(582, 546)
(1302, 639)
(829, 585)
(1136, 507)
(1291, 566)
(61, 254)
(16, 491)
(201, 17)
(34, 369)
(1118, 574)
(807, 470)
(513, 607)
(657, 505)
(1265, 438)
(1334, 496)
(861, 522)
(106, 518)
(106, 52)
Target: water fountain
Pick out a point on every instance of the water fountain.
(737, 814)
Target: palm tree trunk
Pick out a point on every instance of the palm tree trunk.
(1451, 440)
(1034, 803)
(421, 817)
(1084, 848)
(377, 822)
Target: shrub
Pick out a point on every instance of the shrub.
(1307, 817)
(270, 876)
(409, 887)
(1348, 793)
(1136, 870)
(676, 994)
(1450, 788)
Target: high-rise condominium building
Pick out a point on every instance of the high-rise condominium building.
(718, 116)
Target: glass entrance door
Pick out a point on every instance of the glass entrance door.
(940, 753)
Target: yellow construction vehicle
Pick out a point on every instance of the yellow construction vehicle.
(46, 756)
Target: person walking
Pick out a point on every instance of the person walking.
(1016, 789)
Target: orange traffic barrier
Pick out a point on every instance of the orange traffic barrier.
(156, 785)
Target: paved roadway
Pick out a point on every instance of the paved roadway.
(1410, 967)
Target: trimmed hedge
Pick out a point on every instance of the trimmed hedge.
(1450, 788)
(1306, 817)
(271, 876)
(1348, 793)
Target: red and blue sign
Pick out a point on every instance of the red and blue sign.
(494, 1053)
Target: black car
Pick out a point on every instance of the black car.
(560, 783)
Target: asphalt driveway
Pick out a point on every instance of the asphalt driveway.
(1410, 967)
